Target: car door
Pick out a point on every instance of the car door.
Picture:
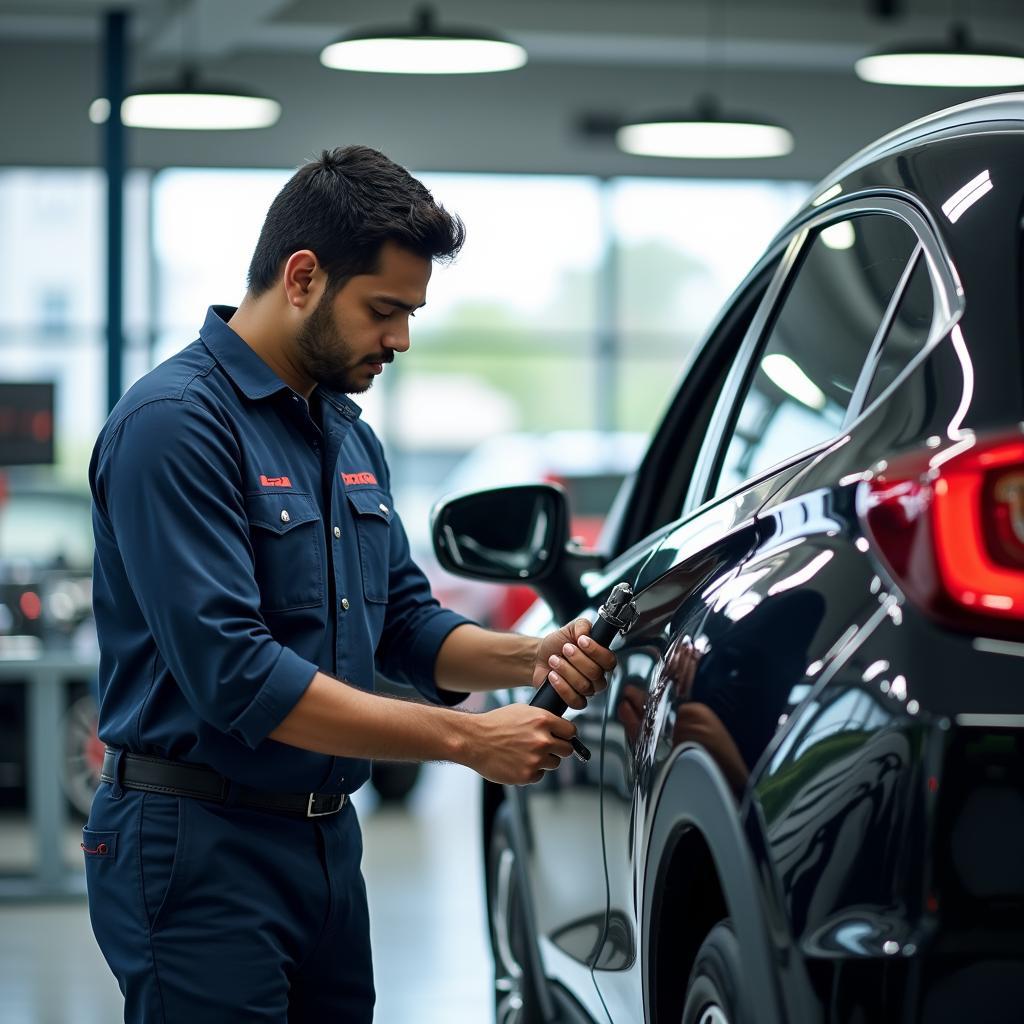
(785, 401)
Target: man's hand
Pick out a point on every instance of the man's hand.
(517, 744)
(573, 663)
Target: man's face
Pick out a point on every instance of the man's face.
(350, 336)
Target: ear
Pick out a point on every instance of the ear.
(303, 279)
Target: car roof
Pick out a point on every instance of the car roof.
(990, 111)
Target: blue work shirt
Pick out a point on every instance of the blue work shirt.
(244, 540)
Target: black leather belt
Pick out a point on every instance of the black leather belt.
(156, 775)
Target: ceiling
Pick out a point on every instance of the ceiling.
(790, 60)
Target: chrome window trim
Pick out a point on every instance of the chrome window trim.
(948, 300)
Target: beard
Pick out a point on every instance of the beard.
(326, 356)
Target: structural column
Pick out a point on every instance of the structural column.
(114, 63)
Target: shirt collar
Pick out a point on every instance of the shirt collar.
(248, 371)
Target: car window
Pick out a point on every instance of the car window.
(811, 358)
(663, 483)
(908, 331)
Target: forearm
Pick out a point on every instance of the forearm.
(474, 659)
(334, 718)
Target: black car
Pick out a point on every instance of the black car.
(806, 796)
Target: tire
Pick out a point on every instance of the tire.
(515, 991)
(83, 754)
(713, 992)
(394, 780)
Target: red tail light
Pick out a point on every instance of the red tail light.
(951, 527)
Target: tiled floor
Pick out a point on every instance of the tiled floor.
(424, 876)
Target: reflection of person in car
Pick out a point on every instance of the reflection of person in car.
(728, 699)
(694, 722)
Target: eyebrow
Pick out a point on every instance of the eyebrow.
(391, 301)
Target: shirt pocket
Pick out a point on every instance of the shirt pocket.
(286, 532)
(373, 514)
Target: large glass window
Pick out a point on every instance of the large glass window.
(816, 347)
(52, 290)
(681, 248)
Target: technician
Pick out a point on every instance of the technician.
(250, 571)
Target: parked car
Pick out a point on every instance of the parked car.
(806, 796)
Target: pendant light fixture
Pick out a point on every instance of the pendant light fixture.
(189, 103)
(957, 62)
(705, 132)
(423, 48)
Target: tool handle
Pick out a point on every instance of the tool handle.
(546, 697)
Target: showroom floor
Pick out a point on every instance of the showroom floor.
(424, 877)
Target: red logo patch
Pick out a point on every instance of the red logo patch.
(358, 478)
(275, 481)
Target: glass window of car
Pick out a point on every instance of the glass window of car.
(811, 358)
(908, 331)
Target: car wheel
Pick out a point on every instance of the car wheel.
(712, 996)
(515, 993)
(83, 754)
(393, 780)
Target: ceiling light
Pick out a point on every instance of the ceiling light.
(964, 198)
(785, 374)
(423, 49)
(704, 135)
(958, 62)
(840, 235)
(190, 105)
(829, 193)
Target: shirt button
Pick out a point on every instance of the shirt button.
(384, 509)
(285, 518)
(337, 531)
(344, 603)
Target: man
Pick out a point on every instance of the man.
(250, 569)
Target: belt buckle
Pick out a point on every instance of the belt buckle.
(313, 797)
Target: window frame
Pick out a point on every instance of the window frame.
(948, 305)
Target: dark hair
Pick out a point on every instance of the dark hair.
(344, 206)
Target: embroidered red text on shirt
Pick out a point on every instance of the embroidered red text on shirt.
(358, 478)
(275, 481)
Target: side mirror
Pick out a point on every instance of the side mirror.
(506, 535)
(514, 535)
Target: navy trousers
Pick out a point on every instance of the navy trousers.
(213, 913)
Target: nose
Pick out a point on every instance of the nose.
(397, 337)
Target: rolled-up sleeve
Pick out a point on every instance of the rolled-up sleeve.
(167, 484)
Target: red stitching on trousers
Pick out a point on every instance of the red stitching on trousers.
(101, 849)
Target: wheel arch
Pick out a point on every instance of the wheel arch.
(696, 828)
